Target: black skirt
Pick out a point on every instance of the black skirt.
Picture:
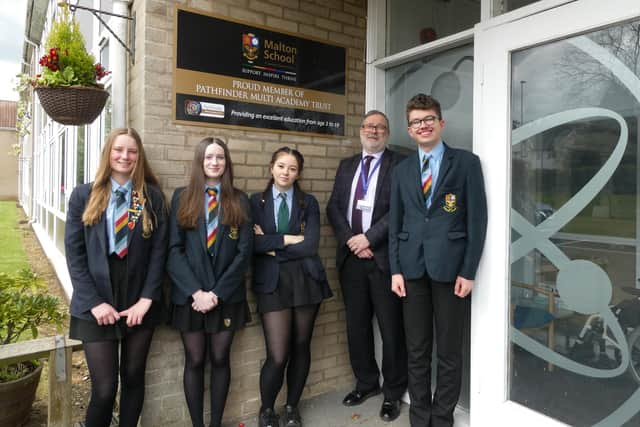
(89, 330)
(224, 317)
(295, 289)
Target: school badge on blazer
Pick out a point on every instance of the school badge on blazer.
(233, 235)
(227, 322)
(450, 203)
(302, 227)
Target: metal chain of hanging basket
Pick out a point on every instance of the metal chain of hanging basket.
(72, 105)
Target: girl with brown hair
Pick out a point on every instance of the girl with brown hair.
(115, 244)
(210, 246)
(289, 281)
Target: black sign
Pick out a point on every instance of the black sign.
(231, 73)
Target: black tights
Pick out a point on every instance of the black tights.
(104, 365)
(287, 334)
(195, 348)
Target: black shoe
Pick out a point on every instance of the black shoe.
(356, 397)
(268, 418)
(292, 416)
(390, 410)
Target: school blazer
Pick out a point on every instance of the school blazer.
(445, 241)
(86, 250)
(305, 219)
(190, 266)
(338, 206)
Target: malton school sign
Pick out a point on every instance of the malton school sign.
(235, 74)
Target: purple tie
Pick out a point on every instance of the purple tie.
(356, 214)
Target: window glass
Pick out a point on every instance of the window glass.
(575, 109)
(448, 77)
(410, 24)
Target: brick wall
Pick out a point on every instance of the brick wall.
(170, 149)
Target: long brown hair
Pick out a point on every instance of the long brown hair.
(191, 206)
(140, 177)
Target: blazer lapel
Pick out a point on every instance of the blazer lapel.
(268, 215)
(445, 167)
(101, 231)
(385, 165)
(415, 176)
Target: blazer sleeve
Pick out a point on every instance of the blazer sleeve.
(234, 274)
(84, 287)
(152, 288)
(476, 219)
(177, 260)
(266, 242)
(337, 218)
(396, 213)
(309, 246)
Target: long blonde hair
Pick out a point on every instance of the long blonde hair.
(140, 177)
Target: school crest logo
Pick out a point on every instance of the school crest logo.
(227, 322)
(250, 46)
(450, 203)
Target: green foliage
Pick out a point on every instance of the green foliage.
(74, 65)
(25, 305)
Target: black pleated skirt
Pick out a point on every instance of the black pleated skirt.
(89, 330)
(295, 289)
(224, 317)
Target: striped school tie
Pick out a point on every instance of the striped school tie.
(426, 180)
(121, 230)
(212, 219)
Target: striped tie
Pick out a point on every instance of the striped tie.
(121, 231)
(212, 219)
(426, 180)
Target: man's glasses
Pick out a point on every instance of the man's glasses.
(374, 128)
(429, 121)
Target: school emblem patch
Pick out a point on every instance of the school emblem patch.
(450, 203)
(233, 234)
(227, 322)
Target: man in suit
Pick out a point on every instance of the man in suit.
(437, 227)
(358, 211)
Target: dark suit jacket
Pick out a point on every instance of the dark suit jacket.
(305, 214)
(338, 206)
(87, 255)
(445, 241)
(191, 267)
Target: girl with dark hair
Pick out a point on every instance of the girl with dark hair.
(115, 245)
(210, 244)
(289, 280)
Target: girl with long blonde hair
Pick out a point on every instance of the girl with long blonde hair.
(115, 243)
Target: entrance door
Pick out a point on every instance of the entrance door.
(556, 315)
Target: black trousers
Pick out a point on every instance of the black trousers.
(432, 305)
(367, 291)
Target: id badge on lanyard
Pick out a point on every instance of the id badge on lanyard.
(366, 203)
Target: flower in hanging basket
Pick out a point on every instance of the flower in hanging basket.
(68, 86)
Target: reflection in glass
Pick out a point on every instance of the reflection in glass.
(504, 6)
(448, 77)
(410, 24)
(575, 108)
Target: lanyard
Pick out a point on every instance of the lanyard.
(366, 179)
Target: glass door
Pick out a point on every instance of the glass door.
(556, 318)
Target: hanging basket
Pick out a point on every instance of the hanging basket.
(73, 105)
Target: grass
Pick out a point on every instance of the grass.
(12, 254)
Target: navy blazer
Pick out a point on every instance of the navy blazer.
(87, 247)
(305, 219)
(192, 268)
(446, 240)
(338, 206)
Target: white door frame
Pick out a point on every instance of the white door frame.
(494, 40)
